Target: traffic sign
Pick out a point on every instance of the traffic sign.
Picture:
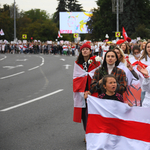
(117, 34)
(75, 35)
(24, 36)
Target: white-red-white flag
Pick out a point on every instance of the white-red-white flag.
(59, 35)
(113, 125)
(2, 32)
(80, 77)
(124, 33)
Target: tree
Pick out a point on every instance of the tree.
(103, 21)
(72, 5)
(62, 7)
(142, 32)
(129, 17)
(36, 14)
(6, 23)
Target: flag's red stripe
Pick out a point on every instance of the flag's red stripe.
(79, 84)
(129, 129)
(77, 114)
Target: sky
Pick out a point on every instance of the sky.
(48, 5)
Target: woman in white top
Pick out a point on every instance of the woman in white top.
(145, 58)
(136, 55)
(131, 76)
(123, 65)
(146, 85)
(96, 52)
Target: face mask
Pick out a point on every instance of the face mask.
(137, 55)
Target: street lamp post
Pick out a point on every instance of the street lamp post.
(14, 21)
(117, 7)
(117, 15)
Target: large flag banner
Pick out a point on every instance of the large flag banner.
(113, 125)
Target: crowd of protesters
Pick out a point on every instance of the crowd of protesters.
(38, 48)
(122, 73)
(66, 48)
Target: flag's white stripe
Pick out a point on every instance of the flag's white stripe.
(79, 72)
(110, 109)
(105, 141)
(79, 100)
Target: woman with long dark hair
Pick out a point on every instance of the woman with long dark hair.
(84, 69)
(109, 66)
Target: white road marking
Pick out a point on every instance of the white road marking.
(62, 59)
(67, 66)
(12, 67)
(33, 68)
(31, 101)
(12, 75)
(3, 58)
(39, 65)
(21, 59)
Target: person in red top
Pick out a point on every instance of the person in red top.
(73, 49)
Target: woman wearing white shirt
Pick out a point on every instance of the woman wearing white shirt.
(123, 65)
(136, 55)
(146, 85)
(96, 50)
(131, 76)
(145, 58)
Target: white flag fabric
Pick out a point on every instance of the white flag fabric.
(59, 35)
(2, 32)
(80, 77)
(113, 125)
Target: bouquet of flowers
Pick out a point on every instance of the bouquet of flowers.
(95, 60)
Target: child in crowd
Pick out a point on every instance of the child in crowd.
(109, 85)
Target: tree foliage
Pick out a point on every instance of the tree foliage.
(35, 23)
(104, 21)
(66, 6)
(36, 14)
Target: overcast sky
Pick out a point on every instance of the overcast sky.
(47, 5)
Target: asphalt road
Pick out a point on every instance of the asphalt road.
(36, 103)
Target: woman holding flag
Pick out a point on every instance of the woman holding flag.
(84, 69)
